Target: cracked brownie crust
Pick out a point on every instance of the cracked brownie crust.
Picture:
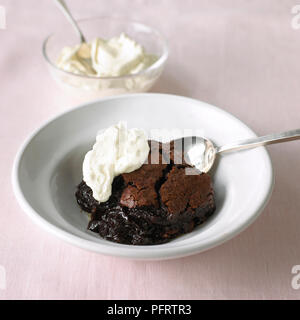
(151, 205)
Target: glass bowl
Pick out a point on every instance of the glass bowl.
(92, 87)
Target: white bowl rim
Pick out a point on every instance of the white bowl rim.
(159, 62)
(157, 252)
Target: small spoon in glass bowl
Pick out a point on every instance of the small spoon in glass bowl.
(82, 51)
(65, 10)
(201, 152)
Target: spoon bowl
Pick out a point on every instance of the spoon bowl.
(198, 152)
(201, 152)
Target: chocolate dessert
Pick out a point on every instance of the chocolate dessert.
(153, 204)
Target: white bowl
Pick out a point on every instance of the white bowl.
(48, 167)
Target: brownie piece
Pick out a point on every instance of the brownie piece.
(184, 194)
(140, 186)
(153, 204)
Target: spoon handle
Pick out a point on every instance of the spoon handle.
(62, 5)
(260, 141)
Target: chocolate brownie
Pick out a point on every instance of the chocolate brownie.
(153, 204)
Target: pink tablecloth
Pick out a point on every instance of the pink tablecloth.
(242, 56)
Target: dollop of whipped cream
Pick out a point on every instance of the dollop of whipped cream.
(117, 150)
(117, 56)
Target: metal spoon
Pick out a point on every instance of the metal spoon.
(82, 52)
(62, 5)
(201, 152)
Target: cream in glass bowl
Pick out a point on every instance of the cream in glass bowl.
(120, 57)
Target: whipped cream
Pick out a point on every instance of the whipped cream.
(117, 56)
(117, 150)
